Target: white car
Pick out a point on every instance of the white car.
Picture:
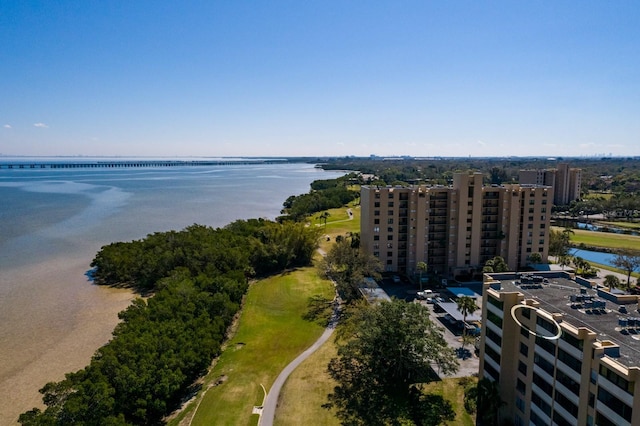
(425, 294)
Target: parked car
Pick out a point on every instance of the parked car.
(396, 279)
(424, 294)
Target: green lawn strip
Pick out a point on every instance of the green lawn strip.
(603, 239)
(605, 268)
(306, 390)
(271, 333)
(625, 225)
(451, 391)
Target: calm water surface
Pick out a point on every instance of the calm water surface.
(52, 222)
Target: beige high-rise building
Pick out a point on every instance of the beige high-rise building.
(455, 229)
(562, 351)
(566, 182)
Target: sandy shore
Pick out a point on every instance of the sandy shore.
(58, 321)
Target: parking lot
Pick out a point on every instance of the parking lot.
(469, 362)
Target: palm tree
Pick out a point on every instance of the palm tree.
(611, 281)
(466, 305)
(323, 216)
(421, 267)
(488, 402)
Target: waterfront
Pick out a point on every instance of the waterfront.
(52, 222)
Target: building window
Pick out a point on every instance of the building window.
(610, 400)
(376, 253)
(390, 213)
(601, 420)
(566, 404)
(376, 221)
(524, 349)
(546, 408)
(389, 254)
(522, 367)
(376, 229)
(521, 387)
(498, 304)
(494, 337)
(492, 354)
(376, 212)
(389, 262)
(390, 204)
(390, 221)
(617, 380)
(377, 196)
(494, 319)
(390, 229)
(391, 195)
(542, 384)
(376, 204)
(376, 237)
(573, 363)
(390, 237)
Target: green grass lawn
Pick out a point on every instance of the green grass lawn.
(270, 334)
(306, 390)
(624, 225)
(451, 391)
(603, 239)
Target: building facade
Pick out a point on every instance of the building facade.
(455, 229)
(566, 182)
(562, 352)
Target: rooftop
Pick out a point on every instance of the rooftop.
(585, 307)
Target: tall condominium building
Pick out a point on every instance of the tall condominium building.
(455, 229)
(562, 352)
(566, 182)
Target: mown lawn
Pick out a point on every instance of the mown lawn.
(452, 391)
(270, 334)
(624, 225)
(603, 239)
(306, 390)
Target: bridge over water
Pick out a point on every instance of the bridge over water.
(91, 164)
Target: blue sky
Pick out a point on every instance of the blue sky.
(298, 78)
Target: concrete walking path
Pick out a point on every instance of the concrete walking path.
(271, 401)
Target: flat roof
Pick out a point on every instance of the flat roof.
(452, 309)
(555, 297)
(463, 291)
(372, 291)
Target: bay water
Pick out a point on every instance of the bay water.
(52, 223)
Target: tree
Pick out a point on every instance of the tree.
(421, 267)
(348, 266)
(611, 281)
(564, 260)
(384, 350)
(466, 305)
(497, 264)
(628, 261)
(323, 216)
(484, 399)
(535, 258)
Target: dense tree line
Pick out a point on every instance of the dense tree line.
(198, 277)
(325, 194)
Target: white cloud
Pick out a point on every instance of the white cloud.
(483, 144)
(42, 125)
(7, 126)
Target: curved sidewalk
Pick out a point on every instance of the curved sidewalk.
(271, 400)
